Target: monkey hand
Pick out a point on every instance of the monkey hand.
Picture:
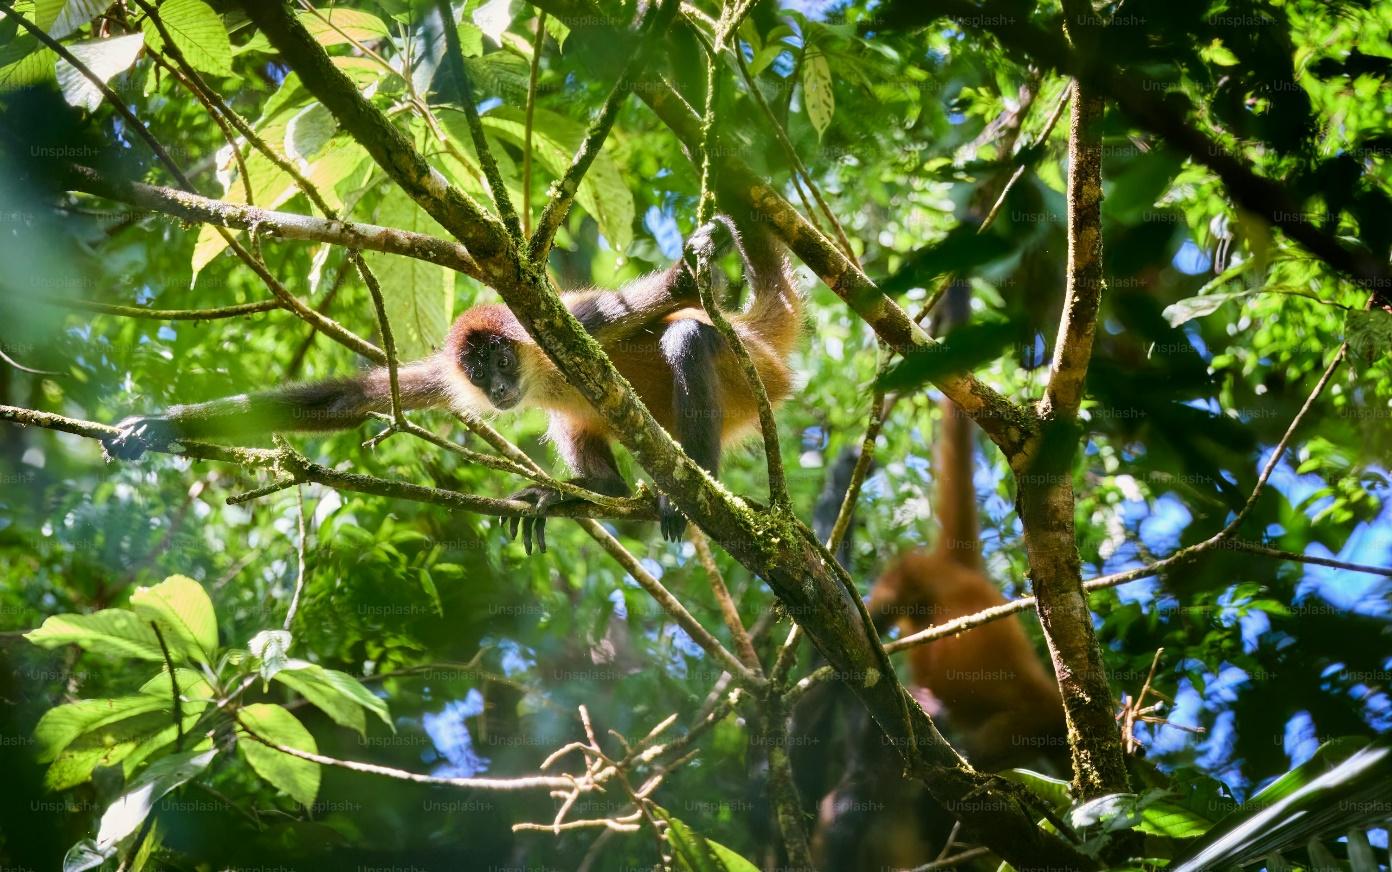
(137, 435)
(712, 238)
(670, 518)
(533, 526)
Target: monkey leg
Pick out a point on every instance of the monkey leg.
(692, 348)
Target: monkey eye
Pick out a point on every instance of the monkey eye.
(504, 361)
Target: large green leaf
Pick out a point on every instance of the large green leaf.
(60, 726)
(25, 61)
(132, 807)
(296, 777)
(104, 58)
(183, 611)
(330, 27)
(817, 94)
(197, 32)
(692, 852)
(132, 738)
(555, 139)
(419, 296)
(112, 632)
(340, 695)
(1346, 784)
(61, 17)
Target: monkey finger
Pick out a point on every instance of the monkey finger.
(528, 524)
(540, 531)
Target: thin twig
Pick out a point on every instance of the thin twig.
(531, 782)
(671, 605)
(533, 75)
(301, 575)
(178, 705)
(236, 311)
(768, 425)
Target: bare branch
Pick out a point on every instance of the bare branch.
(284, 225)
(236, 311)
(302, 469)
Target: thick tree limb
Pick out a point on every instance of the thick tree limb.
(1045, 497)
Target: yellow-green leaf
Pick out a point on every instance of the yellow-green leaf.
(296, 777)
(197, 32)
(817, 94)
(112, 632)
(184, 613)
(419, 296)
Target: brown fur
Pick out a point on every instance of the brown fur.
(769, 328)
(989, 681)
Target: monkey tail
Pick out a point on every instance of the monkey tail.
(959, 530)
(334, 404)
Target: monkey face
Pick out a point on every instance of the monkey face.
(493, 367)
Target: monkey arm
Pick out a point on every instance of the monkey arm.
(335, 404)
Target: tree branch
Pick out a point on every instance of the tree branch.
(284, 225)
(1045, 495)
(302, 469)
(1142, 98)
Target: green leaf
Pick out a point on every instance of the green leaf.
(184, 613)
(194, 689)
(766, 56)
(1052, 790)
(330, 27)
(419, 295)
(110, 632)
(1169, 819)
(692, 852)
(557, 30)
(340, 695)
(60, 726)
(1343, 785)
(271, 646)
(555, 140)
(1369, 334)
(104, 58)
(962, 251)
(123, 816)
(1197, 307)
(471, 39)
(197, 32)
(61, 17)
(296, 777)
(25, 61)
(817, 95)
(340, 25)
(132, 738)
(965, 349)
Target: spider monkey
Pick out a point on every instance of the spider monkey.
(989, 682)
(653, 329)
